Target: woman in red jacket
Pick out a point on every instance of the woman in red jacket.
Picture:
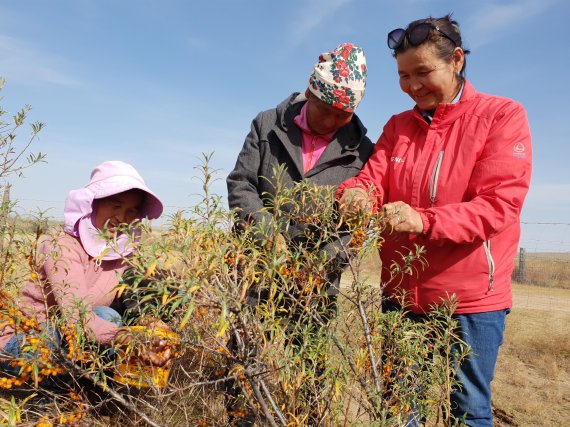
(450, 175)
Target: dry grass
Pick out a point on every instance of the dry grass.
(551, 270)
(537, 298)
(532, 380)
(369, 270)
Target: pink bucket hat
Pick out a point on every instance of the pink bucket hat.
(109, 178)
(339, 78)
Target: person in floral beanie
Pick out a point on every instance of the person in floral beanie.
(315, 136)
(339, 78)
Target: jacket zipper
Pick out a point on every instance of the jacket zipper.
(311, 153)
(434, 178)
(490, 262)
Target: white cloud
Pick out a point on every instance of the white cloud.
(25, 63)
(312, 15)
(490, 22)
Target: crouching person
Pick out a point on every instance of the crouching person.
(77, 276)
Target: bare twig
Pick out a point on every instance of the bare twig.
(272, 402)
(368, 337)
(259, 398)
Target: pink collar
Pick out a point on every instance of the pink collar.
(302, 121)
(96, 246)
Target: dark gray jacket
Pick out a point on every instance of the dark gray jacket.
(276, 140)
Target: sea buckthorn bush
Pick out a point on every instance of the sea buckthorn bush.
(259, 338)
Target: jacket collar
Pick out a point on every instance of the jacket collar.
(340, 146)
(288, 133)
(446, 114)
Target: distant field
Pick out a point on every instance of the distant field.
(563, 256)
(545, 269)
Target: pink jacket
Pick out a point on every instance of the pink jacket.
(68, 277)
(80, 269)
(467, 173)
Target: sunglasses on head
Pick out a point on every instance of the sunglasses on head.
(416, 35)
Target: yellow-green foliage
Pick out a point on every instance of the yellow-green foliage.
(256, 327)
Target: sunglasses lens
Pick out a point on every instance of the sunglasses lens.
(418, 34)
(395, 38)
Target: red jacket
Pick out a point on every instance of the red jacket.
(467, 173)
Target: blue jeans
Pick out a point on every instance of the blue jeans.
(108, 314)
(484, 334)
(14, 349)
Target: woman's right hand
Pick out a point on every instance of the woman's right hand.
(353, 202)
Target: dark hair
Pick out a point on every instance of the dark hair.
(444, 46)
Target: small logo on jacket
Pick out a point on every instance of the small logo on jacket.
(519, 150)
(395, 159)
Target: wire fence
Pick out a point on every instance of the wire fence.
(542, 264)
(546, 269)
(544, 255)
(549, 237)
(542, 281)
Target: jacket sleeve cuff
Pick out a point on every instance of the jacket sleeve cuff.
(427, 221)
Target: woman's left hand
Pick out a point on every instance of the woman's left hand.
(403, 218)
(156, 351)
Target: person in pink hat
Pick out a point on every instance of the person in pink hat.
(80, 269)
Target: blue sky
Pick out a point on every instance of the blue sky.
(157, 83)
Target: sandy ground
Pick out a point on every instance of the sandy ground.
(537, 298)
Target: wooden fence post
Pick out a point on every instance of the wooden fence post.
(521, 273)
(4, 209)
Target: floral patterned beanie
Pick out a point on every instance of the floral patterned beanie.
(339, 78)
